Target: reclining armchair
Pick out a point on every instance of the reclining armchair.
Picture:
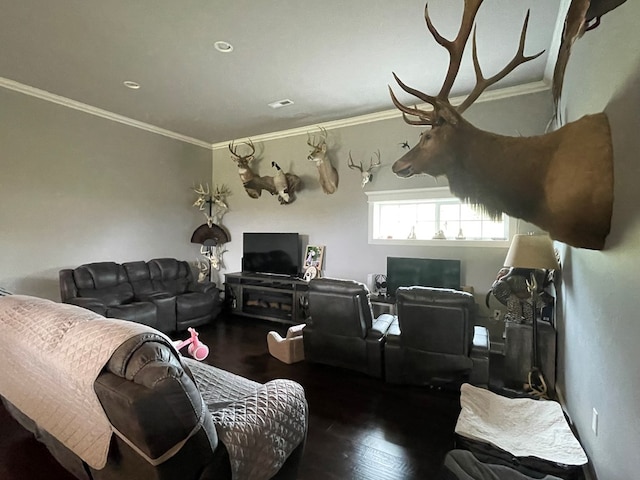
(341, 330)
(434, 340)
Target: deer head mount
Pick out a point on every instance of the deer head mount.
(284, 185)
(328, 175)
(367, 174)
(561, 181)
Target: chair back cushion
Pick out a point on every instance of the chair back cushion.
(104, 280)
(139, 277)
(170, 275)
(340, 307)
(436, 320)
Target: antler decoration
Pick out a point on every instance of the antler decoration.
(216, 201)
(367, 174)
(456, 49)
(546, 180)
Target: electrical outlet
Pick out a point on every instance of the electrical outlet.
(496, 315)
(594, 421)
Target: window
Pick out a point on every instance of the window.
(432, 216)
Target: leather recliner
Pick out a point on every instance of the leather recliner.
(341, 330)
(433, 340)
(160, 293)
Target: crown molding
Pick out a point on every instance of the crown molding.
(98, 112)
(491, 95)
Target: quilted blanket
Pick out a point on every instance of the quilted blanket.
(260, 425)
(51, 353)
(523, 427)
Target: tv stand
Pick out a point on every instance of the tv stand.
(268, 297)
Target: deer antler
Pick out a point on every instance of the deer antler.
(456, 48)
(353, 165)
(323, 139)
(234, 151)
(376, 164)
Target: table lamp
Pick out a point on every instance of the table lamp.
(533, 252)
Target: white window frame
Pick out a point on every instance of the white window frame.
(417, 194)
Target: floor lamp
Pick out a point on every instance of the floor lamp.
(533, 252)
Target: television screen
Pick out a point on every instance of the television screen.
(275, 253)
(425, 272)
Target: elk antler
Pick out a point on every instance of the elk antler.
(456, 48)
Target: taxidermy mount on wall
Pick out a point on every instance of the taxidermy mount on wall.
(561, 181)
(367, 174)
(328, 175)
(287, 183)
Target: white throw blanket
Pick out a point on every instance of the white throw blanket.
(521, 426)
(50, 356)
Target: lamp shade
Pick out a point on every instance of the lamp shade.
(531, 251)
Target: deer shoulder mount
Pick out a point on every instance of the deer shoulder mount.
(561, 181)
(327, 174)
(367, 174)
(254, 183)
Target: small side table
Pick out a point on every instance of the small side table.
(382, 304)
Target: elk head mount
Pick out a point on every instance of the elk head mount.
(561, 181)
(284, 185)
(328, 175)
(367, 174)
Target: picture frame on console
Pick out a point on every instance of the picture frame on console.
(313, 257)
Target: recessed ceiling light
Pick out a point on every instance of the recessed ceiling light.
(131, 85)
(224, 47)
(281, 103)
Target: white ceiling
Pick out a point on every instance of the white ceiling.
(332, 58)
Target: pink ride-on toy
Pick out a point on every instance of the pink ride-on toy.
(196, 349)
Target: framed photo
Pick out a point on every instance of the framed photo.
(313, 257)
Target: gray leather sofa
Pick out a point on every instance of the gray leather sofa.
(434, 340)
(185, 420)
(161, 293)
(341, 330)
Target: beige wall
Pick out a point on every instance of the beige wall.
(339, 221)
(75, 188)
(599, 358)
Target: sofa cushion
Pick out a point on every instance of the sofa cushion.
(169, 275)
(194, 305)
(106, 281)
(139, 312)
(139, 277)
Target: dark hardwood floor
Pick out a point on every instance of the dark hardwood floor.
(359, 427)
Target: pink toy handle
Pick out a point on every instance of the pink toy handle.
(197, 349)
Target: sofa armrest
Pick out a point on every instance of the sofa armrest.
(94, 304)
(207, 287)
(165, 303)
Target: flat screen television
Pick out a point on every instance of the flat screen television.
(425, 272)
(272, 253)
